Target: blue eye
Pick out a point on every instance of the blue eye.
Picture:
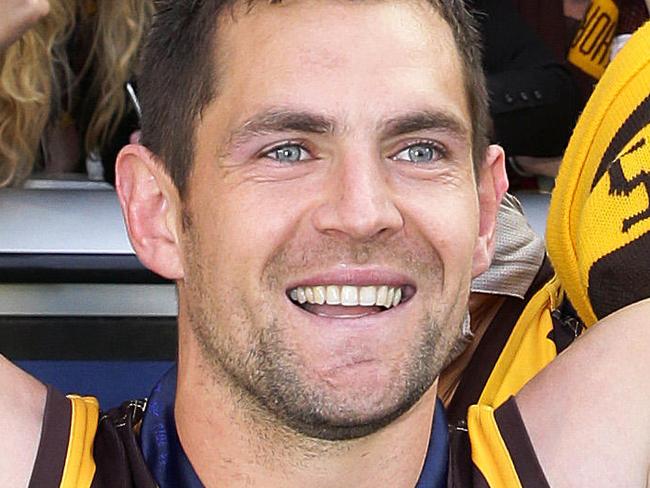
(421, 153)
(288, 153)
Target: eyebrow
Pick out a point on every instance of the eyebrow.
(425, 120)
(275, 120)
(282, 120)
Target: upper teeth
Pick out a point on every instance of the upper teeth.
(347, 295)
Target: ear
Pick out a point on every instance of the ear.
(151, 208)
(492, 184)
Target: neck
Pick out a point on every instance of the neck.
(229, 446)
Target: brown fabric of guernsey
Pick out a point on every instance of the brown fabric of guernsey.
(53, 446)
(487, 353)
(462, 472)
(522, 453)
(117, 452)
(514, 434)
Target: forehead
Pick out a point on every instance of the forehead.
(355, 60)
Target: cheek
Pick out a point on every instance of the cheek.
(242, 227)
(448, 218)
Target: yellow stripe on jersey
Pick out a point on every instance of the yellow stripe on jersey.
(489, 452)
(528, 349)
(79, 468)
(592, 43)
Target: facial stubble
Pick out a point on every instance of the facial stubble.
(248, 355)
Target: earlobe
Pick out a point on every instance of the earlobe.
(150, 205)
(492, 185)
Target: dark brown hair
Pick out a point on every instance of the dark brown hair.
(179, 76)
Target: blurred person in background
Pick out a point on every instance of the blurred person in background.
(63, 68)
(533, 99)
(543, 58)
(597, 32)
(585, 35)
(565, 26)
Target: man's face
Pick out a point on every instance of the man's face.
(334, 165)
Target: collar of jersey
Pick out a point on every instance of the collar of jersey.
(170, 467)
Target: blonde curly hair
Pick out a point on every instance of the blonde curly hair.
(36, 78)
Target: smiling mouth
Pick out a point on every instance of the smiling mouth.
(348, 301)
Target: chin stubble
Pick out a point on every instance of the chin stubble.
(263, 377)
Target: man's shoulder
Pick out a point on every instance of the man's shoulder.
(64, 456)
(88, 447)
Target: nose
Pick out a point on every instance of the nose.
(359, 201)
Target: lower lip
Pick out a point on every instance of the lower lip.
(357, 319)
(340, 312)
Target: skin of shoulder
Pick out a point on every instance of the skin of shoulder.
(22, 404)
(587, 413)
